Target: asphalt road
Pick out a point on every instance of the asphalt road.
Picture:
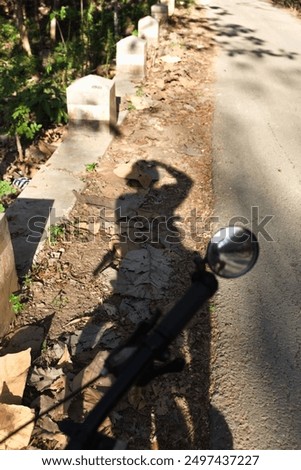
(256, 357)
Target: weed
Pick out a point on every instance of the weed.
(91, 167)
(56, 233)
(27, 281)
(139, 91)
(131, 107)
(22, 123)
(212, 308)
(60, 301)
(6, 188)
(16, 303)
(44, 346)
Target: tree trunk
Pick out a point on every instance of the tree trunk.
(19, 148)
(53, 23)
(20, 18)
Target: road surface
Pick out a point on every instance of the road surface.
(256, 326)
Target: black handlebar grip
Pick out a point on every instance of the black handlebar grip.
(175, 321)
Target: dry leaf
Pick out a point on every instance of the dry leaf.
(29, 336)
(169, 59)
(61, 439)
(12, 417)
(136, 398)
(90, 398)
(144, 274)
(56, 392)
(42, 379)
(135, 171)
(13, 375)
(65, 359)
(91, 372)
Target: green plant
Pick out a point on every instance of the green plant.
(130, 106)
(44, 346)
(26, 281)
(56, 233)
(59, 14)
(60, 301)
(23, 124)
(16, 303)
(212, 308)
(48, 102)
(139, 91)
(91, 167)
(6, 188)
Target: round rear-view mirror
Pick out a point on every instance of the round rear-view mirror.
(232, 251)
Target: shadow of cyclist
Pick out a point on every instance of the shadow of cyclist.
(153, 270)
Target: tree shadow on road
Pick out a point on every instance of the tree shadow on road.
(223, 33)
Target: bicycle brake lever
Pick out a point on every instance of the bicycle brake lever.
(116, 361)
(175, 365)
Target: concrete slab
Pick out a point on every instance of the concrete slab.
(49, 197)
(124, 86)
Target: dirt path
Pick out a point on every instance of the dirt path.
(158, 172)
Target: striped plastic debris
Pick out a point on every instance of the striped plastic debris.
(21, 183)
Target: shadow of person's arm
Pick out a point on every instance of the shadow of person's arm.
(177, 189)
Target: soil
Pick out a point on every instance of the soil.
(80, 301)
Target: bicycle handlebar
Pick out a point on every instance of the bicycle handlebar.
(150, 347)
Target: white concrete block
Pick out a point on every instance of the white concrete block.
(170, 5)
(148, 29)
(8, 276)
(92, 98)
(131, 58)
(159, 11)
